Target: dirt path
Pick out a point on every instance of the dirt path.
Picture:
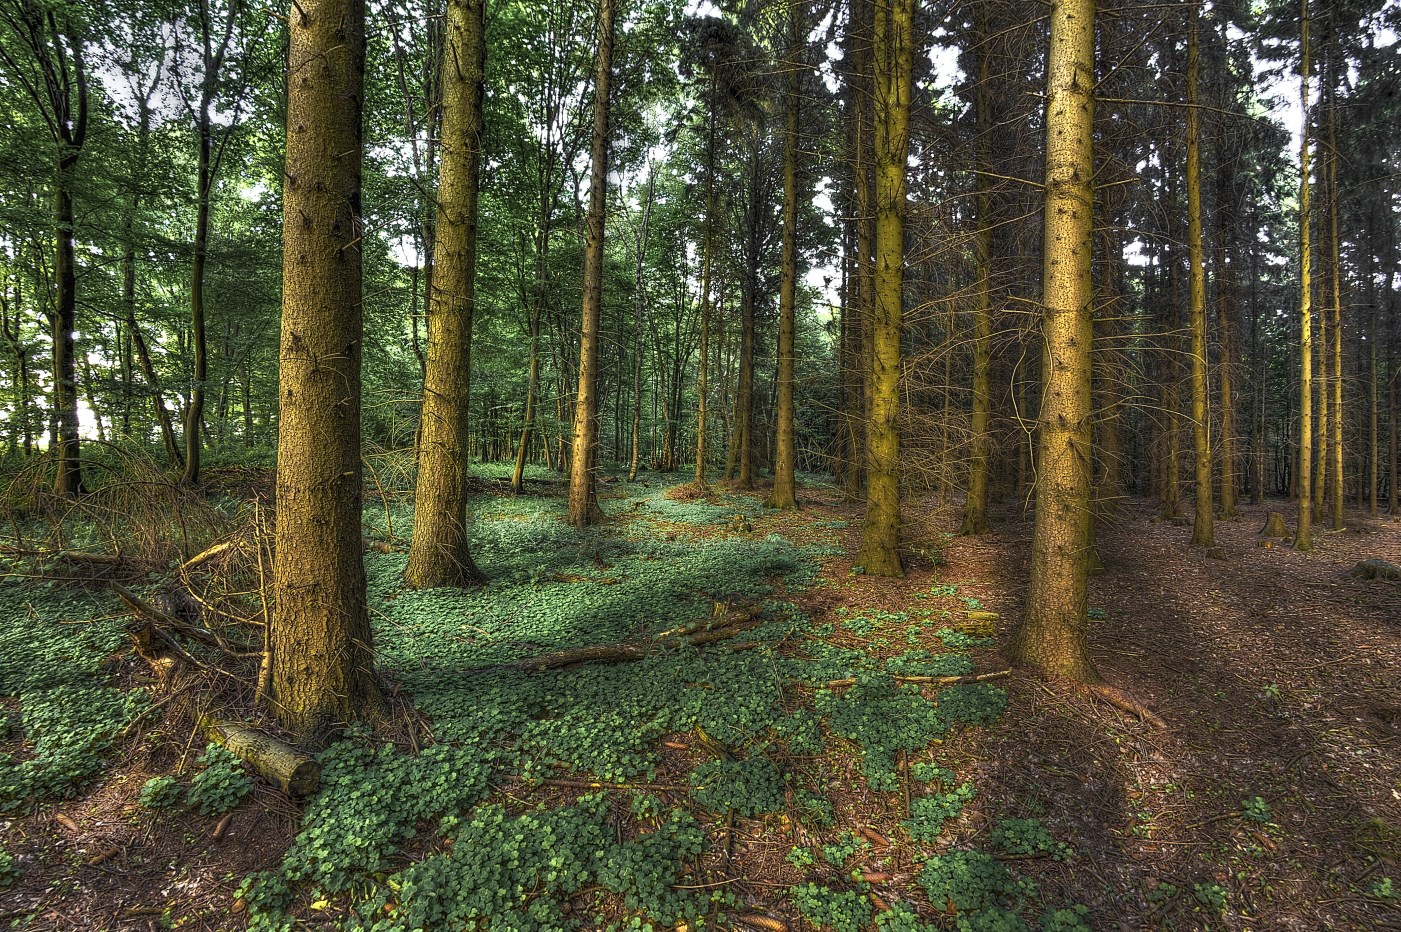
(1279, 678)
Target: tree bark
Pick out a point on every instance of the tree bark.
(785, 454)
(440, 554)
(583, 493)
(975, 505)
(1053, 635)
(1303, 535)
(893, 54)
(1203, 521)
(320, 646)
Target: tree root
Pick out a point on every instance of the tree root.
(1124, 702)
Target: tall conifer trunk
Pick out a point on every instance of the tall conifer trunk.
(1203, 526)
(975, 506)
(320, 653)
(1303, 536)
(785, 454)
(1053, 635)
(893, 54)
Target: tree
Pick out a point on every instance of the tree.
(785, 455)
(439, 554)
(975, 506)
(1303, 535)
(893, 55)
(219, 35)
(583, 492)
(321, 658)
(1053, 635)
(1203, 534)
(44, 52)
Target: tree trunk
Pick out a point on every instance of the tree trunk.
(893, 56)
(1303, 535)
(68, 479)
(1203, 523)
(320, 653)
(975, 506)
(785, 455)
(1335, 311)
(583, 493)
(194, 411)
(707, 258)
(1053, 635)
(439, 554)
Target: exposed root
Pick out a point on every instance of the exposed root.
(1124, 702)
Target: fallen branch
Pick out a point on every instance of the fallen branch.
(722, 628)
(164, 619)
(935, 680)
(205, 556)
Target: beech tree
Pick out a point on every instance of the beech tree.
(44, 52)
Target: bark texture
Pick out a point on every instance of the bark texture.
(321, 659)
(439, 554)
(1053, 635)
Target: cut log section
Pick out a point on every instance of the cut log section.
(285, 767)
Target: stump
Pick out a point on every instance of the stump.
(1375, 569)
(1275, 526)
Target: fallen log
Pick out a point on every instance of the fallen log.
(282, 765)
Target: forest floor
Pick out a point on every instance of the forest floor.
(795, 772)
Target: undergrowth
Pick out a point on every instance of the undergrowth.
(533, 804)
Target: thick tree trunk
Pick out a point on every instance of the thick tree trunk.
(1053, 635)
(893, 56)
(583, 494)
(1203, 522)
(439, 554)
(320, 653)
